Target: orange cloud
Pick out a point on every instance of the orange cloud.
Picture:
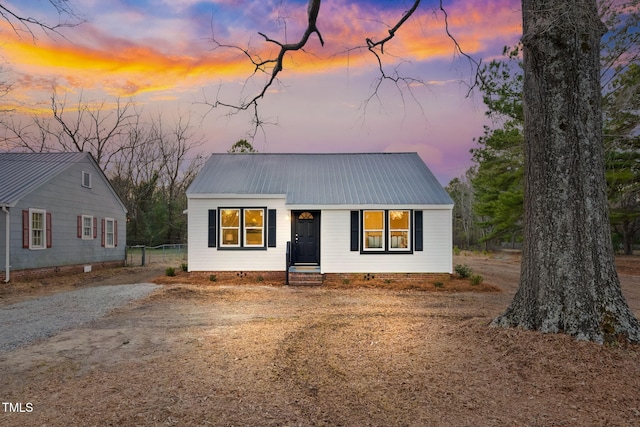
(125, 68)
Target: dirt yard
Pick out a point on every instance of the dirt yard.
(258, 355)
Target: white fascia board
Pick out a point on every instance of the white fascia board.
(367, 207)
(236, 196)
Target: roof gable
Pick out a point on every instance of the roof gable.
(323, 179)
(22, 173)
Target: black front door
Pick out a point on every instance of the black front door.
(306, 237)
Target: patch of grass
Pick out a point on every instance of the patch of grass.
(438, 284)
(184, 266)
(463, 270)
(476, 279)
(170, 271)
(456, 250)
(346, 281)
(260, 279)
(213, 278)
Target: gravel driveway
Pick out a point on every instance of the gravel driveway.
(45, 316)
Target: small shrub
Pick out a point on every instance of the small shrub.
(388, 281)
(476, 279)
(213, 278)
(438, 284)
(184, 266)
(345, 281)
(260, 279)
(456, 250)
(170, 271)
(463, 270)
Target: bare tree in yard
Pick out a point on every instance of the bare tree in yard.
(177, 170)
(95, 127)
(568, 281)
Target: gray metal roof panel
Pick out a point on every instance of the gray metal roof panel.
(323, 179)
(21, 173)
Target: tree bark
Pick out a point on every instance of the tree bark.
(568, 279)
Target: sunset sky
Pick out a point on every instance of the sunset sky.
(161, 54)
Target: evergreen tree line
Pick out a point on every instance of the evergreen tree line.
(489, 197)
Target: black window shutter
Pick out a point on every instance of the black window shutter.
(355, 230)
(418, 231)
(213, 225)
(271, 230)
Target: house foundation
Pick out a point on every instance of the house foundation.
(43, 272)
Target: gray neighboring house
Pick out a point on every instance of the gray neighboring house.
(375, 213)
(58, 212)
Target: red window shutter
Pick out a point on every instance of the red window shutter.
(115, 233)
(103, 233)
(25, 229)
(49, 233)
(95, 228)
(79, 227)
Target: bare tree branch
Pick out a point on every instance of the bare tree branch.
(273, 65)
(276, 63)
(21, 24)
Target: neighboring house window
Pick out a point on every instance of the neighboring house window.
(87, 227)
(86, 179)
(242, 227)
(385, 231)
(373, 231)
(36, 229)
(110, 240)
(38, 236)
(109, 233)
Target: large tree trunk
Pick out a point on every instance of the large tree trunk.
(568, 281)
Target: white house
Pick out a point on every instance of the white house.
(369, 213)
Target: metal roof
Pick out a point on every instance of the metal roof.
(323, 179)
(21, 173)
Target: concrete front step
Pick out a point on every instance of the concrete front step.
(305, 279)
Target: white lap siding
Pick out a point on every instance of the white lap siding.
(203, 258)
(336, 256)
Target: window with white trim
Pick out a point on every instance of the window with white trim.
(229, 228)
(399, 226)
(37, 229)
(109, 232)
(86, 179)
(383, 231)
(253, 227)
(373, 231)
(87, 227)
(242, 227)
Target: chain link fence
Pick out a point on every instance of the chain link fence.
(170, 254)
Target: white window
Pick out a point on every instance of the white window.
(87, 227)
(385, 231)
(229, 227)
(253, 227)
(37, 229)
(242, 227)
(399, 234)
(373, 231)
(109, 233)
(86, 179)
